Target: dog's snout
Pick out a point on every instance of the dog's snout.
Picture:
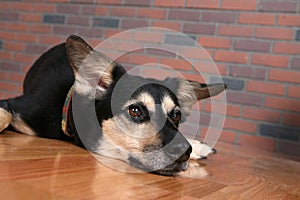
(179, 151)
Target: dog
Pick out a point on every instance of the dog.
(141, 128)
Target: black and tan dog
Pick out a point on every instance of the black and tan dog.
(140, 129)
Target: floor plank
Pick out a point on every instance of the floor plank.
(37, 168)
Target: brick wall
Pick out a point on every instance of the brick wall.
(255, 44)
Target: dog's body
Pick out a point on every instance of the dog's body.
(141, 129)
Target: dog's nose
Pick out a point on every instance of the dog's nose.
(179, 150)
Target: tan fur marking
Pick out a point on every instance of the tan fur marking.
(167, 104)
(5, 119)
(148, 101)
(128, 135)
(186, 96)
(21, 126)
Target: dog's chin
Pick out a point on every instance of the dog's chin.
(173, 169)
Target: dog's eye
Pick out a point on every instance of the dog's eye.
(176, 116)
(135, 111)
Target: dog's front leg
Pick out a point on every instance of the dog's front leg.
(5, 115)
(200, 149)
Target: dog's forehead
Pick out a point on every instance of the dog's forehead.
(154, 95)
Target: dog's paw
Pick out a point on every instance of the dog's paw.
(5, 119)
(200, 150)
(195, 170)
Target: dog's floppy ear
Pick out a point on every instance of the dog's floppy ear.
(189, 92)
(92, 68)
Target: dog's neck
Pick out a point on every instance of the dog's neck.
(65, 113)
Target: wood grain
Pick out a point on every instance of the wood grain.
(37, 168)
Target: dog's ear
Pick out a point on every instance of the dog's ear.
(189, 92)
(92, 68)
(203, 91)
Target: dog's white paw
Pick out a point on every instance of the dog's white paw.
(5, 119)
(195, 170)
(200, 150)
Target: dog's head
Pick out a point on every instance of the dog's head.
(139, 117)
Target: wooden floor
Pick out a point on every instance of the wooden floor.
(35, 168)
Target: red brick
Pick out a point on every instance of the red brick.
(24, 58)
(122, 12)
(78, 20)
(19, 6)
(5, 5)
(221, 17)
(5, 55)
(296, 63)
(186, 15)
(244, 98)
(227, 136)
(289, 20)
(274, 33)
(169, 3)
(257, 18)
(17, 27)
(265, 87)
(290, 148)
(195, 53)
(134, 23)
(148, 37)
(100, 10)
(8, 86)
(294, 91)
(67, 8)
(7, 65)
(291, 119)
(230, 30)
(151, 13)
(284, 76)
(282, 104)
(40, 28)
(232, 57)
(141, 59)
(271, 6)
(127, 46)
(252, 45)
(212, 4)
(64, 30)
(31, 17)
(137, 2)
(231, 110)
(14, 46)
(248, 72)
(89, 10)
(210, 67)
(176, 63)
(52, 40)
(257, 142)
(16, 77)
(157, 73)
(44, 8)
(287, 48)
(239, 5)
(240, 125)
(114, 2)
(167, 24)
(208, 29)
(270, 60)
(261, 114)
(215, 42)
(25, 37)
